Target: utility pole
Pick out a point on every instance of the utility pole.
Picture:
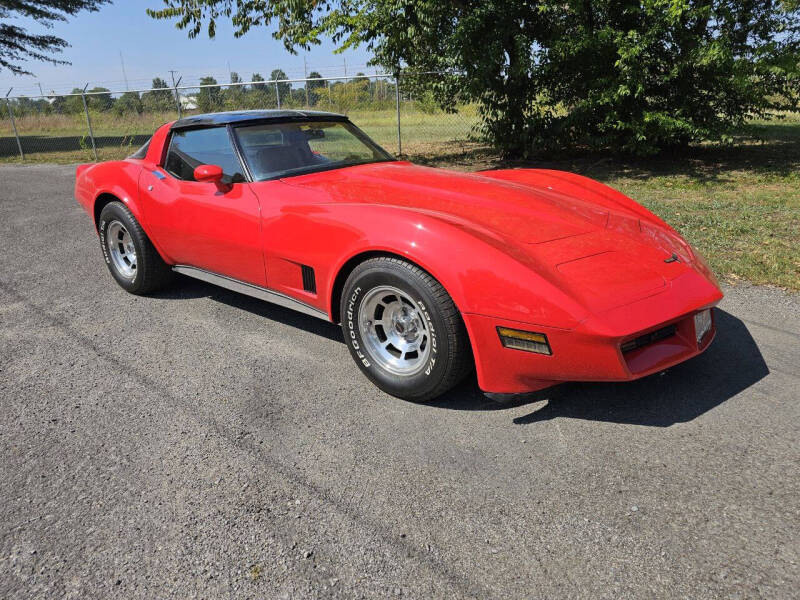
(345, 68)
(124, 75)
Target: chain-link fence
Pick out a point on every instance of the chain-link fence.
(100, 124)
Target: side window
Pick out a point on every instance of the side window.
(191, 148)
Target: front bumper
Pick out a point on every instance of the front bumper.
(592, 351)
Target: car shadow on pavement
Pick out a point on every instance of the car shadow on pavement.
(185, 288)
(732, 364)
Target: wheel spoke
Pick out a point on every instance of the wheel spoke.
(396, 336)
(121, 248)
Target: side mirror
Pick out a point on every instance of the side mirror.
(208, 174)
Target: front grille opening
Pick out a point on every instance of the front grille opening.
(649, 338)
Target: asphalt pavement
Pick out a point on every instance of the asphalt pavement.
(203, 444)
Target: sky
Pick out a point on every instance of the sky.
(151, 48)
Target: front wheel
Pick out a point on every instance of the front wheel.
(403, 329)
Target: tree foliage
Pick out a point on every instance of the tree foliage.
(209, 99)
(284, 88)
(18, 45)
(630, 75)
(316, 81)
(648, 75)
(99, 98)
(128, 103)
(158, 98)
(256, 78)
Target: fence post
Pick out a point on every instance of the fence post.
(178, 95)
(278, 95)
(14, 125)
(397, 105)
(89, 121)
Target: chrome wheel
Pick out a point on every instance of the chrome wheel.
(394, 331)
(121, 249)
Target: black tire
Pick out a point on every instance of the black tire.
(449, 358)
(150, 272)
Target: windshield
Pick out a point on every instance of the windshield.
(283, 149)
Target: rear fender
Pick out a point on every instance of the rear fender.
(97, 184)
(129, 200)
(119, 179)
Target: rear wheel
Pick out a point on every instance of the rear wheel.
(403, 329)
(130, 256)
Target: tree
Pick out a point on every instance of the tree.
(234, 95)
(632, 75)
(316, 81)
(316, 87)
(128, 103)
(73, 103)
(28, 106)
(99, 98)
(284, 88)
(643, 76)
(17, 45)
(259, 95)
(258, 86)
(209, 99)
(160, 98)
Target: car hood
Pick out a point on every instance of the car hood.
(516, 211)
(605, 256)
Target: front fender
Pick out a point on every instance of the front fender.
(483, 272)
(578, 186)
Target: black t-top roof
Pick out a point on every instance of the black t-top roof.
(242, 116)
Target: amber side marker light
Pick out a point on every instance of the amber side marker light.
(524, 340)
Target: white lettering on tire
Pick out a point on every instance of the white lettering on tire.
(351, 327)
(432, 330)
(102, 229)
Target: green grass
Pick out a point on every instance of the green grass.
(738, 204)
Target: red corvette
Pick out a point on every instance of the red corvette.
(534, 276)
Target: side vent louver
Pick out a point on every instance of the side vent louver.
(309, 281)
